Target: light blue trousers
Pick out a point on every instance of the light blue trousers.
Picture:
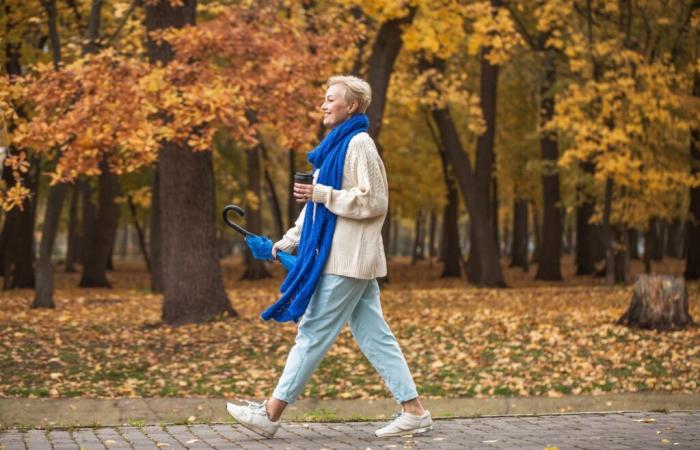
(338, 300)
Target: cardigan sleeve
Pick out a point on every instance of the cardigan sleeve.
(369, 197)
(290, 240)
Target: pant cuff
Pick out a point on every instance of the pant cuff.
(405, 398)
(284, 398)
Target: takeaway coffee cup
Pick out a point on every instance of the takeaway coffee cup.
(304, 178)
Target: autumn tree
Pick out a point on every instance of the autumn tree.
(17, 238)
(492, 38)
(543, 32)
(623, 114)
(192, 281)
(692, 249)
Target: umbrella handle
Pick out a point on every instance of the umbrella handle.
(233, 224)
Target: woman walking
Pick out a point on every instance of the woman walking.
(340, 255)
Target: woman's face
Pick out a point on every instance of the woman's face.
(336, 109)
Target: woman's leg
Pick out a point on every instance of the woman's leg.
(329, 309)
(379, 345)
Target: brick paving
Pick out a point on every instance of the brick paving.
(678, 430)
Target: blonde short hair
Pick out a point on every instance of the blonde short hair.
(356, 90)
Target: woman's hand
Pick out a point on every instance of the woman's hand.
(303, 192)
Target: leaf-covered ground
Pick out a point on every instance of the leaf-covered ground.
(531, 339)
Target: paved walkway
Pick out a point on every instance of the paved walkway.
(678, 430)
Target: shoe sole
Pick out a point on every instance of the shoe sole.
(407, 432)
(252, 428)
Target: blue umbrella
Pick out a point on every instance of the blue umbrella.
(260, 246)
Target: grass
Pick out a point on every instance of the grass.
(533, 338)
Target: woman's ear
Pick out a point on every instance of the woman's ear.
(354, 106)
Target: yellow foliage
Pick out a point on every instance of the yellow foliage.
(493, 31)
(631, 124)
(252, 200)
(381, 10)
(437, 29)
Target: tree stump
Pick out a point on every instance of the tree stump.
(659, 302)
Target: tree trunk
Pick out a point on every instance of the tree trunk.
(538, 234)
(663, 238)
(622, 256)
(473, 260)
(43, 282)
(506, 244)
(477, 205)
(475, 185)
(483, 266)
(520, 235)
(692, 240)
(597, 243)
(43, 293)
(659, 302)
(274, 199)
(418, 239)
(483, 172)
(274, 204)
(652, 246)
(381, 64)
(18, 238)
(673, 237)
(155, 235)
(655, 233)
(633, 238)
(585, 233)
(607, 233)
(192, 281)
(110, 260)
(255, 268)
(452, 255)
(100, 249)
(494, 212)
(122, 241)
(73, 235)
(139, 232)
(684, 242)
(431, 235)
(549, 258)
(568, 232)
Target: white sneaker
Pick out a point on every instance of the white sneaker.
(254, 417)
(407, 423)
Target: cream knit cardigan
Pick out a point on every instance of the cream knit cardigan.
(361, 204)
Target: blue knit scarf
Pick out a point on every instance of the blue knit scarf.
(319, 224)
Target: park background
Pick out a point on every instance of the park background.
(540, 155)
